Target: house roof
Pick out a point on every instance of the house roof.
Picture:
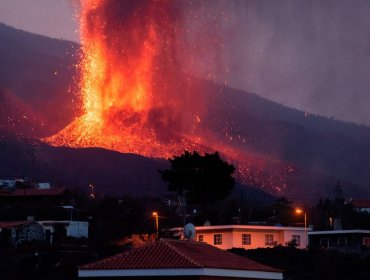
(344, 231)
(11, 224)
(361, 203)
(177, 254)
(249, 227)
(33, 192)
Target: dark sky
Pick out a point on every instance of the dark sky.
(308, 54)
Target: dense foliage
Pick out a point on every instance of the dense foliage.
(202, 179)
(311, 264)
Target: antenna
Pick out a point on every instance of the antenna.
(189, 231)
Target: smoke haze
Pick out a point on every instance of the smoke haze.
(310, 55)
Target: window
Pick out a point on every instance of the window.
(297, 239)
(269, 239)
(48, 236)
(217, 239)
(246, 239)
(366, 241)
(342, 241)
(324, 242)
(200, 237)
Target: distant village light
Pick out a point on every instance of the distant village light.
(301, 211)
(155, 215)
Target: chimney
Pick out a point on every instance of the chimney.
(30, 218)
(337, 224)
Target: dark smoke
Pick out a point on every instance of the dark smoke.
(311, 55)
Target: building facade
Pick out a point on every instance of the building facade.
(251, 236)
(347, 241)
(361, 205)
(75, 229)
(14, 233)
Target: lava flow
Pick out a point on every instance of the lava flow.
(135, 98)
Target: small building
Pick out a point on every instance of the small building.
(33, 195)
(251, 236)
(75, 229)
(349, 241)
(361, 205)
(14, 233)
(178, 259)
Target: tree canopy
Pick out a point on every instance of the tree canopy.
(203, 179)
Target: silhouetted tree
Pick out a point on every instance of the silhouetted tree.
(282, 211)
(203, 179)
(60, 234)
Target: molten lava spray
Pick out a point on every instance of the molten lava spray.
(130, 91)
(135, 97)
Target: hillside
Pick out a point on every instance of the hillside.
(111, 173)
(308, 141)
(37, 76)
(38, 97)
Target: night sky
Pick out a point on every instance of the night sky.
(311, 55)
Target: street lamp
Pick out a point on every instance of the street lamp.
(155, 214)
(300, 211)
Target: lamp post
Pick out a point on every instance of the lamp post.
(155, 215)
(300, 211)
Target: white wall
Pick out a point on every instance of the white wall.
(76, 229)
(288, 236)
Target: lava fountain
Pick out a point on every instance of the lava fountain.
(135, 98)
(131, 100)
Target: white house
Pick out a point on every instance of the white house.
(76, 229)
(251, 236)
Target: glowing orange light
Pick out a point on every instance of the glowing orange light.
(128, 91)
(299, 211)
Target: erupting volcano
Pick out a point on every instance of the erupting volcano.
(135, 97)
(131, 93)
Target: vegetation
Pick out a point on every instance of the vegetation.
(311, 264)
(202, 179)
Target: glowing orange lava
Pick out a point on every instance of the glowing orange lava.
(135, 100)
(120, 68)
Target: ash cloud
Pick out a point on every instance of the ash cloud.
(311, 55)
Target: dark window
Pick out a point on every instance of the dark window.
(200, 237)
(246, 239)
(324, 242)
(269, 239)
(366, 241)
(297, 239)
(217, 239)
(342, 241)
